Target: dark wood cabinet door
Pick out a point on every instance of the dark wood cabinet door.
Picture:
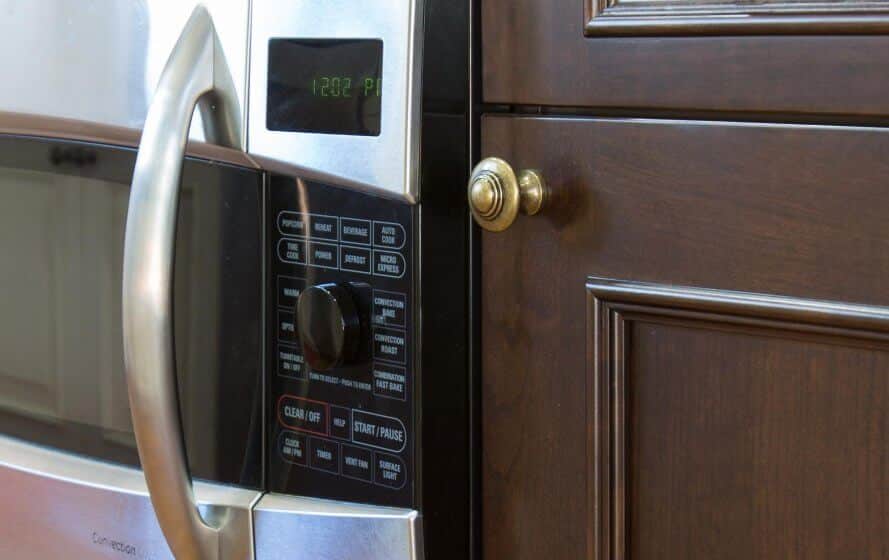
(686, 354)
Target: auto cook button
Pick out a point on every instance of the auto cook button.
(376, 430)
(303, 414)
(292, 447)
(390, 470)
(324, 455)
(357, 463)
(390, 265)
(389, 235)
(389, 344)
(355, 231)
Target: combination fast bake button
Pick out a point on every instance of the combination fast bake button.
(390, 381)
(376, 430)
(303, 414)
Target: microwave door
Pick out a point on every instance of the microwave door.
(195, 74)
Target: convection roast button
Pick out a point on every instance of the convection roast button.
(328, 325)
(376, 430)
(388, 264)
(355, 231)
(389, 470)
(292, 448)
(302, 414)
(388, 235)
(389, 344)
(324, 455)
(357, 463)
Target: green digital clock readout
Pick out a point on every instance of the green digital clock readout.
(342, 86)
(325, 86)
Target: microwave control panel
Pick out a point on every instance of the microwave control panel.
(341, 344)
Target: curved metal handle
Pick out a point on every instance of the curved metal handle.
(195, 73)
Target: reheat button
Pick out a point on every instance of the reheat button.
(303, 414)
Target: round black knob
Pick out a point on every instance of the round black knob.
(328, 325)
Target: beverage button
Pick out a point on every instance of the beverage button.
(292, 447)
(389, 235)
(324, 455)
(357, 463)
(355, 231)
(355, 259)
(389, 344)
(324, 255)
(341, 422)
(390, 265)
(390, 470)
(292, 223)
(292, 251)
(389, 308)
(291, 362)
(287, 327)
(302, 414)
(376, 430)
(390, 381)
(323, 227)
(288, 290)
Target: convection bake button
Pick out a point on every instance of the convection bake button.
(329, 326)
(357, 463)
(389, 470)
(389, 308)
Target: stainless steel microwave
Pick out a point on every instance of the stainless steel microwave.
(241, 332)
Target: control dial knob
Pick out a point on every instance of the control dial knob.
(329, 326)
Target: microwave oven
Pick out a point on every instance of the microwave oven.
(243, 331)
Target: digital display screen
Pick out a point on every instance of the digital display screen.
(331, 86)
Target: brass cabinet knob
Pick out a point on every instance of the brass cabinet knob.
(496, 194)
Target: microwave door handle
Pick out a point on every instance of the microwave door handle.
(195, 74)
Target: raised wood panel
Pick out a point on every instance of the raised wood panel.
(792, 210)
(717, 418)
(535, 52)
(720, 17)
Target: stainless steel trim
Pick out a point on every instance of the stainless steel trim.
(59, 505)
(387, 164)
(99, 61)
(307, 529)
(195, 74)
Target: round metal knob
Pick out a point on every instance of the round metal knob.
(496, 194)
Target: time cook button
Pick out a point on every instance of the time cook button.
(376, 430)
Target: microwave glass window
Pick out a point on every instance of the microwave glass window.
(330, 86)
(62, 380)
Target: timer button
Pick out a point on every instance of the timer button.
(329, 326)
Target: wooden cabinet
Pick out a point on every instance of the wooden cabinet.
(686, 355)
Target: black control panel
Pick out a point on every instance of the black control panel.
(341, 344)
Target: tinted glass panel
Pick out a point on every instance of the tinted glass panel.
(62, 217)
